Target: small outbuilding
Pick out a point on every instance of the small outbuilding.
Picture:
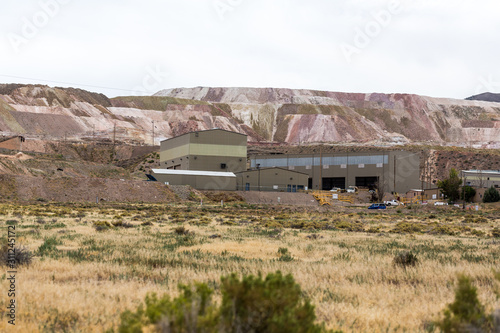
(271, 179)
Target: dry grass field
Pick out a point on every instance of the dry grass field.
(92, 262)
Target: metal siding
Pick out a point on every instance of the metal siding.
(407, 167)
(199, 182)
(217, 150)
(268, 179)
(316, 160)
(173, 153)
(212, 163)
(219, 137)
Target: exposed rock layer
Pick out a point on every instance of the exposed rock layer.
(279, 115)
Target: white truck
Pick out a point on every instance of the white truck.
(352, 189)
(391, 203)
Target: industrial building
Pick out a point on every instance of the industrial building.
(217, 160)
(205, 160)
(481, 178)
(397, 171)
(210, 150)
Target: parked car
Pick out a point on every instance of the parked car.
(336, 189)
(352, 189)
(440, 203)
(392, 203)
(378, 206)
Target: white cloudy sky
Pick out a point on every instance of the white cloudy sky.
(441, 48)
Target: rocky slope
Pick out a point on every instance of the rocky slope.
(273, 115)
(294, 116)
(41, 112)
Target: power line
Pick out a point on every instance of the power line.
(68, 83)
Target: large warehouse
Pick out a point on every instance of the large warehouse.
(399, 171)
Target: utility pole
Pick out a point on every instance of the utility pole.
(347, 172)
(321, 168)
(114, 139)
(153, 122)
(258, 168)
(463, 189)
(422, 171)
(383, 171)
(394, 173)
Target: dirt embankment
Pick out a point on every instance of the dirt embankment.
(67, 189)
(278, 198)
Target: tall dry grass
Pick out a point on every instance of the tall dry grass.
(92, 276)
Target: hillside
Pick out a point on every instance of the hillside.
(45, 113)
(296, 116)
(266, 115)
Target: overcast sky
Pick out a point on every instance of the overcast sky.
(440, 48)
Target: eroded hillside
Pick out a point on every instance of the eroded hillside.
(296, 116)
(265, 115)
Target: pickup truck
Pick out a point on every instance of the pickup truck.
(352, 189)
(392, 203)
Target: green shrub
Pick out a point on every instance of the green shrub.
(284, 254)
(192, 311)
(181, 231)
(407, 228)
(20, 256)
(48, 246)
(349, 226)
(468, 193)
(405, 259)
(273, 304)
(64, 321)
(491, 195)
(102, 225)
(466, 313)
